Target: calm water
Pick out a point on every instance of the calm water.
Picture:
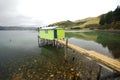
(104, 42)
(21, 58)
(18, 43)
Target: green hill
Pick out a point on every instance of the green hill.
(63, 24)
(91, 22)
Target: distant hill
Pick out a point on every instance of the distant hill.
(17, 28)
(63, 24)
(91, 22)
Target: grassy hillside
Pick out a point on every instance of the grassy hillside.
(63, 24)
(90, 23)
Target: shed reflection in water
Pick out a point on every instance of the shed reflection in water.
(21, 58)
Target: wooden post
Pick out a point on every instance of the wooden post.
(57, 44)
(38, 29)
(38, 41)
(43, 42)
(65, 57)
(99, 72)
(53, 42)
(48, 42)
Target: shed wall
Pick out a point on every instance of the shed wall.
(50, 34)
(60, 34)
(47, 34)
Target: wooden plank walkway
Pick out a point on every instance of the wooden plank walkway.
(98, 57)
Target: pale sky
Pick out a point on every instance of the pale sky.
(44, 12)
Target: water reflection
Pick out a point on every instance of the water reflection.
(22, 59)
(104, 42)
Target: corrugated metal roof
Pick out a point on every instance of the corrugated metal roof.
(49, 27)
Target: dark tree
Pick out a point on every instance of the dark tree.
(102, 20)
(109, 17)
(116, 14)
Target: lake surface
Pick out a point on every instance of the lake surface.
(104, 42)
(22, 58)
(15, 43)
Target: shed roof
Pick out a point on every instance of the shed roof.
(48, 28)
(55, 27)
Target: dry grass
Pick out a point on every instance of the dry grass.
(88, 21)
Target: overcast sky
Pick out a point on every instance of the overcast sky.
(44, 12)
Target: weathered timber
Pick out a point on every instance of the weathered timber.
(98, 57)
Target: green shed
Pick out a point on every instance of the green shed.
(51, 33)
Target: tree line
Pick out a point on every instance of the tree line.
(110, 17)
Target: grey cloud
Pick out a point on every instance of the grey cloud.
(7, 7)
(10, 17)
(17, 21)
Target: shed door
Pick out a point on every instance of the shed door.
(55, 33)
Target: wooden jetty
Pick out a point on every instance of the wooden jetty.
(53, 36)
(97, 57)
